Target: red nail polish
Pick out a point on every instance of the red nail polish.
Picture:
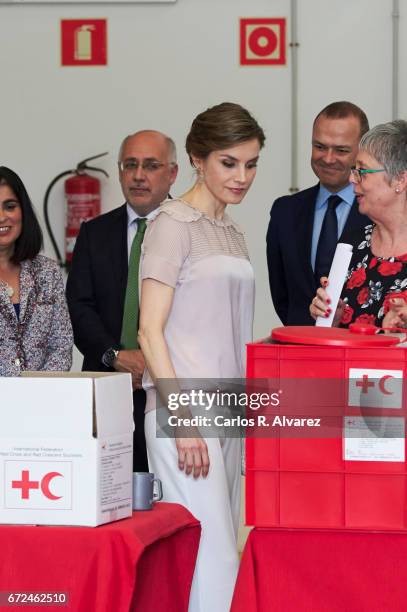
(327, 314)
(328, 301)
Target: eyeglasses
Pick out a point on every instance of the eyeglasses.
(148, 165)
(358, 173)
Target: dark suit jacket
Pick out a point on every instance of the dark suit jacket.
(289, 239)
(96, 286)
(95, 292)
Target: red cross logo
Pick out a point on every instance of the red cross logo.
(375, 388)
(364, 383)
(25, 484)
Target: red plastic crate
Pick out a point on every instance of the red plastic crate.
(306, 482)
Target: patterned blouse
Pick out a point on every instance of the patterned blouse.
(41, 338)
(370, 280)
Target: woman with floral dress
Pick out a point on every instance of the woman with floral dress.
(375, 290)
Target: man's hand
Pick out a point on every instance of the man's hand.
(131, 361)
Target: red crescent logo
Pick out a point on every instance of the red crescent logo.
(45, 482)
(381, 384)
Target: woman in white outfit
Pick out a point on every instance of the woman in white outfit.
(196, 316)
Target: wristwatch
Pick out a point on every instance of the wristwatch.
(109, 357)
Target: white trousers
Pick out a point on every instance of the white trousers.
(215, 502)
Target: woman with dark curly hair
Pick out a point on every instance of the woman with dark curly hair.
(35, 329)
(375, 291)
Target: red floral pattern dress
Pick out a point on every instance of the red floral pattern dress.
(369, 280)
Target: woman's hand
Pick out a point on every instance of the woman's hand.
(320, 305)
(156, 301)
(397, 314)
(192, 452)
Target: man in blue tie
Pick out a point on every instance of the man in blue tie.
(102, 287)
(305, 227)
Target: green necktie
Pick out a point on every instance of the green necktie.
(131, 301)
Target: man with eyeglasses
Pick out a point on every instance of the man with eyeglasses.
(305, 227)
(102, 287)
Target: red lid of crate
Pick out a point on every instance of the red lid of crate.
(356, 336)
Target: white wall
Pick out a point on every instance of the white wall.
(166, 64)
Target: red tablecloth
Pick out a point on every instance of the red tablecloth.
(142, 563)
(322, 571)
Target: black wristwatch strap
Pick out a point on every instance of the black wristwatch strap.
(109, 357)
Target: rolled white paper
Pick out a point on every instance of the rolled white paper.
(337, 276)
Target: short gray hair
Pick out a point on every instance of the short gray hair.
(172, 150)
(387, 142)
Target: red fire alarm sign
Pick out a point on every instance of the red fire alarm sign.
(262, 41)
(84, 42)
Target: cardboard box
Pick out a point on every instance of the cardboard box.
(66, 448)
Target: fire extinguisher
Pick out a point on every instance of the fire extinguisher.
(82, 193)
